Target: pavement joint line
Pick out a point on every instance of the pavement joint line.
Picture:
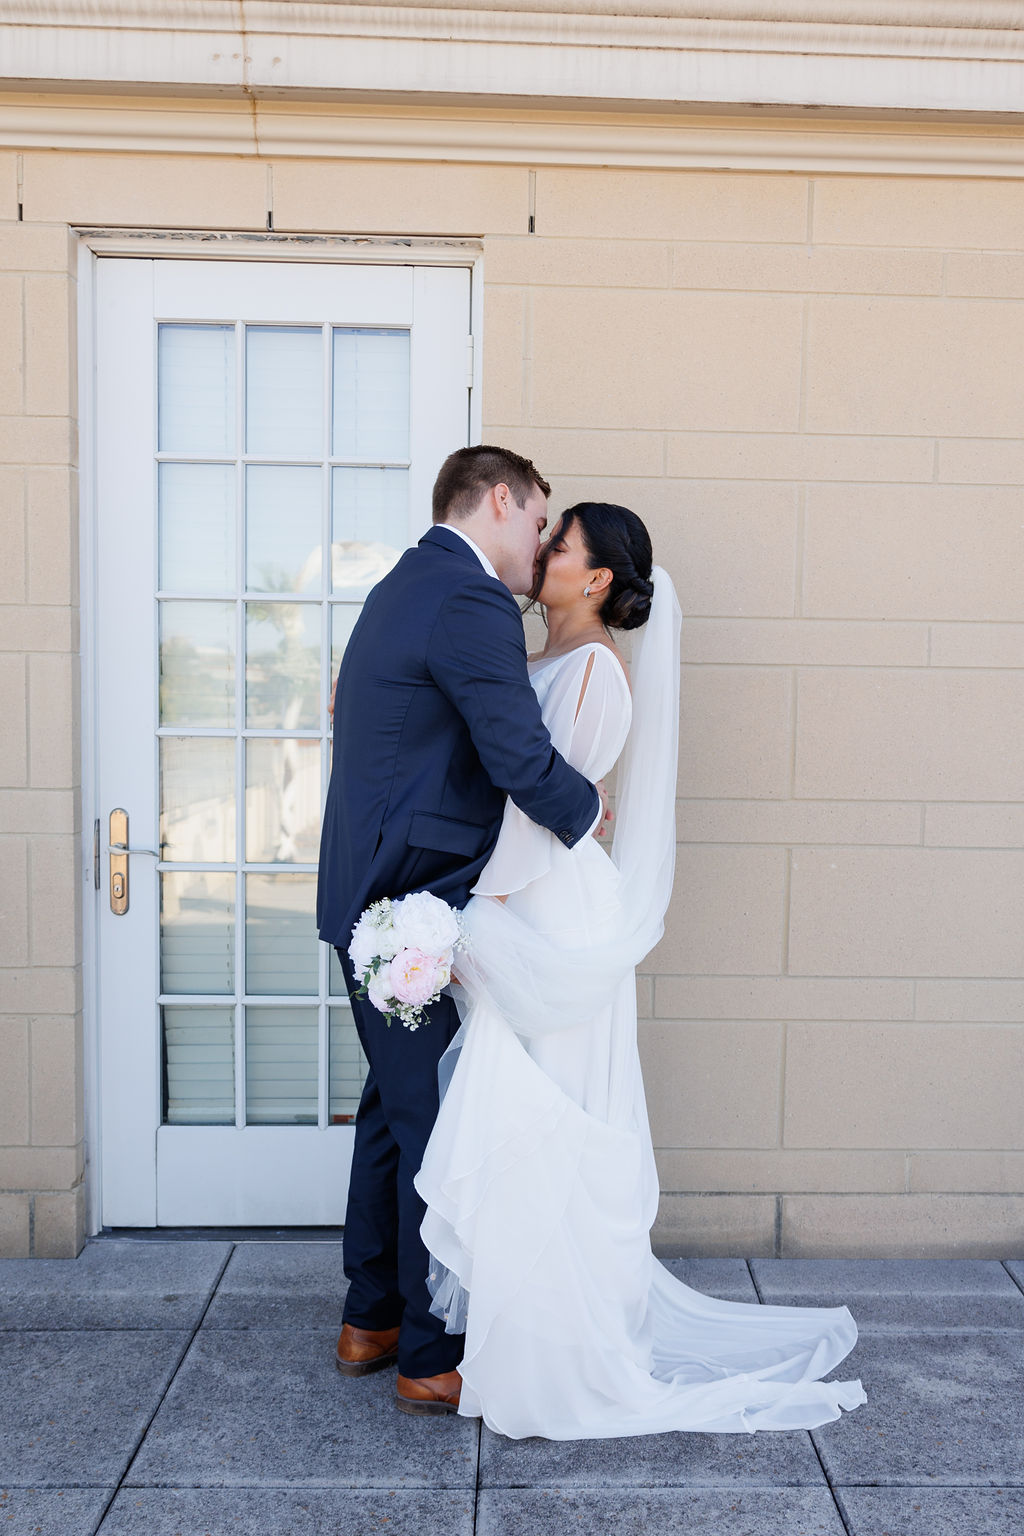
(753, 1281)
(1012, 1276)
(479, 1457)
(829, 1485)
(173, 1378)
(824, 1470)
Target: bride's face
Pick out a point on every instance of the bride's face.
(565, 567)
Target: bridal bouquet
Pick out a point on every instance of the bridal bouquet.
(402, 953)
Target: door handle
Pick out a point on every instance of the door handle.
(118, 849)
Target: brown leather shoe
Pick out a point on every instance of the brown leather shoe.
(362, 1350)
(429, 1394)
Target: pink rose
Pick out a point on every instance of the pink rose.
(416, 977)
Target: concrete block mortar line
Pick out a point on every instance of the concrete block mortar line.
(526, 386)
(798, 573)
(780, 1134)
(787, 891)
(805, 328)
(24, 340)
(173, 1378)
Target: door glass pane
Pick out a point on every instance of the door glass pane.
(336, 982)
(284, 391)
(369, 526)
(196, 389)
(343, 621)
(282, 801)
(283, 528)
(197, 932)
(282, 665)
(371, 394)
(197, 799)
(306, 396)
(281, 944)
(281, 1066)
(197, 527)
(348, 1068)
(197, 664)
(199, 1066)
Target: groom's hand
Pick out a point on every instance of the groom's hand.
(606, 814)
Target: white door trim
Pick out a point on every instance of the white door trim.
(91, 245)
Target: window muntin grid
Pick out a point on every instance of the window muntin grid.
(282, 478)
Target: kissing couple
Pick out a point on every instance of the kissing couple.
(503, 1186)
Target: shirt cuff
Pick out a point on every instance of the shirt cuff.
(597, 819)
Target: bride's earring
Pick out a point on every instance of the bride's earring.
(586, 591)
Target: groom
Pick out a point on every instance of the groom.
(435, 723)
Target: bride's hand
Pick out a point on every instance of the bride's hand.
(608, 816)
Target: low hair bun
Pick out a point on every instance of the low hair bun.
(633, 606)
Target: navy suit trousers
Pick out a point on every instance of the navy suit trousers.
(385, 1259)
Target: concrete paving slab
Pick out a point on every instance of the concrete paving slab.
(73, 1406)
(288, 1512)
(942, 1409)
(675, 1512)
(113, 1283)
(897, 1293)
(932, 1511)
(728, 1279)
(651, 1461)
(281, 1285)
(266, 1408)
(52, 1511)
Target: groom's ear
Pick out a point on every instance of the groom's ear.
(503, 499)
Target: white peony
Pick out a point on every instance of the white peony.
(425, 922)
(362, 946)
(373, 935)
(380, 991)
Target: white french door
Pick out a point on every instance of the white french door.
(267, 435)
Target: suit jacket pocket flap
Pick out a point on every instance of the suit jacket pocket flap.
(446, 835)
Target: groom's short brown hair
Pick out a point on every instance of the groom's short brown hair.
(468, 472)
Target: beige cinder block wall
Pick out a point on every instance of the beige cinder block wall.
(41, 1111)
(809, 387)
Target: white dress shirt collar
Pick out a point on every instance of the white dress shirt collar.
(488, 567)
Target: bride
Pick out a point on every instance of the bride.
(539, 1176)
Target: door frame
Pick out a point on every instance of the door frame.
(94, 244)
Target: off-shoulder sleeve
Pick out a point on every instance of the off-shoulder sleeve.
(588, 717)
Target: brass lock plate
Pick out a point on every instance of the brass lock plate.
(118, 842)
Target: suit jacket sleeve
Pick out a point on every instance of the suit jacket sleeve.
(477, 657)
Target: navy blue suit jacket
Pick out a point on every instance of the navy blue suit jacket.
(435, 722)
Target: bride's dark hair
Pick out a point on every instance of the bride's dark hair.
(617, 539)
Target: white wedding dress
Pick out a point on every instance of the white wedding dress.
(539, 1177)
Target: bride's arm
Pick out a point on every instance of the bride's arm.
(587, 709)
